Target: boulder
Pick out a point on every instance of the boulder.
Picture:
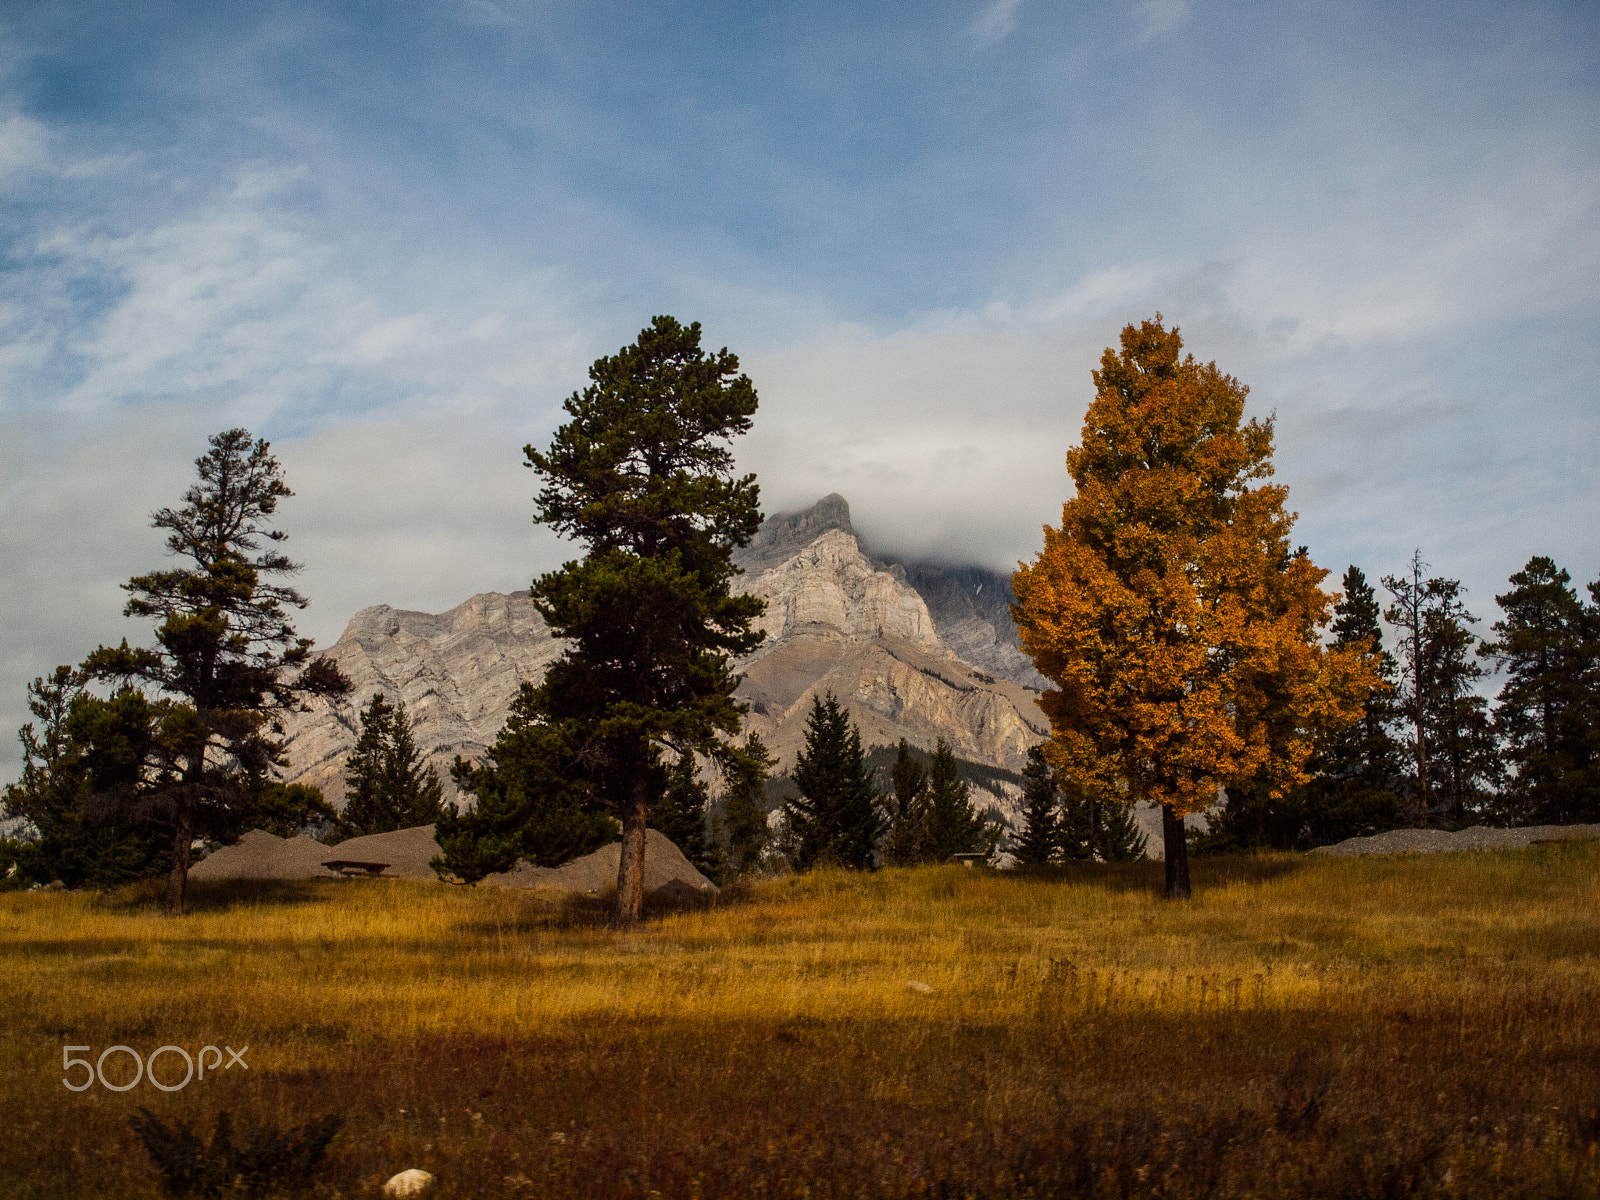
(411, 1182)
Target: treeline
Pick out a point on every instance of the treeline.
(1431, 749)
(842, 811)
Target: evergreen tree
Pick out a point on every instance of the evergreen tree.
(834, 821)
(642, 477)
(905, 808)
(1454, 755)
(226, 661)
(741, 815)
(289, 810)
(1548, 713)
(387, 784)
(1178, 625)
(1114, 833)
(1080, 821)
(530, 802)
(952, 824)
(681, 815)
(83, 746)
(1040, 841)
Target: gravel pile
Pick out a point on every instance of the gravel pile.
(1438, 841)
(664, 867)
(260, 855)
(408, 853)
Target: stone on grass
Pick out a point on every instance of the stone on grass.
(411, 1182)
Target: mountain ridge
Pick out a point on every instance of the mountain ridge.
(838, 620)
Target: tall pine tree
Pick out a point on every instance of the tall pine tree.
(905, 809)
(1040, 841)
(642, 477)
(952, 824)
(388, 785)
(1548, 712)
(834, 821)
(1454, 755)
(226, 663)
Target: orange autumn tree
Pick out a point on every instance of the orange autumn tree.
(1180, 629)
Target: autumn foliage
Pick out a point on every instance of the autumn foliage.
(1178, 625)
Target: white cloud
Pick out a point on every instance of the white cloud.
(994, 22)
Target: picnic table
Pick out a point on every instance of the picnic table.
(348, 866)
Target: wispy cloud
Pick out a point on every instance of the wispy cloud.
(1395, 243)
(1157, 18)
(994, 22)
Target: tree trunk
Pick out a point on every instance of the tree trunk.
(178, 879)
(1176, 848)
(630, 867)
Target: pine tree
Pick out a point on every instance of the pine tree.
(82, 746)
(741, 814)
(1454, 754)
(1040, 840)
(387, 783)
(226, 663)
(834, 821)
(1178, 625)
(642, 477)
(289, 810)
(530, 802)
(1548, 712)
(952, 825)
(681, 814)
(905, 809)
(1080, 821)
(1114, 832)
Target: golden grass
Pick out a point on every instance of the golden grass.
(1306, 1026)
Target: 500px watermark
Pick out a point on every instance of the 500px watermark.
(144, 1068)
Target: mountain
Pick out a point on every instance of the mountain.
(907, 662)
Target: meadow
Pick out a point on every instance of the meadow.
(1306, 1027)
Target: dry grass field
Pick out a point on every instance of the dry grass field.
(1305, 1027)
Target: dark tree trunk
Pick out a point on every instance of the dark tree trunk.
(630, 867)
(1176, 848)
(178, 878)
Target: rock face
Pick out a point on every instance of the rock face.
(457, 672)
(837, 621)
(971, 611)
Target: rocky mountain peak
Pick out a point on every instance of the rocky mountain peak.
(783, 535)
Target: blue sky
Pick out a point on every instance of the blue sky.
(391, 238)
